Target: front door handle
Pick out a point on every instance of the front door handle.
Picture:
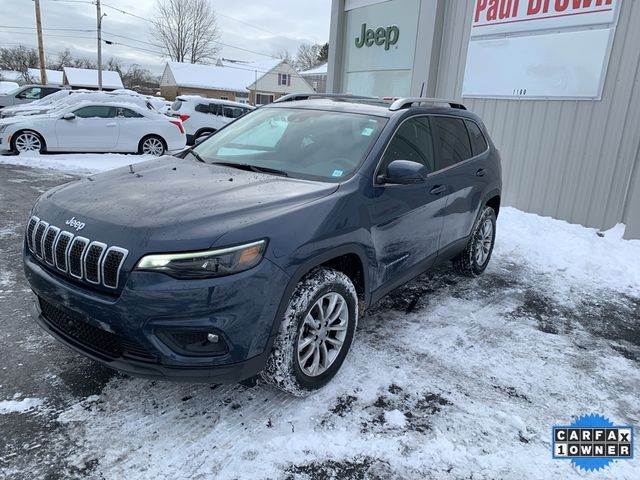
(111, 124)
(480, 172)
(438, 189)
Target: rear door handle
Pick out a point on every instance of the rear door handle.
(480, 172)
(438, 189)
(111, 124)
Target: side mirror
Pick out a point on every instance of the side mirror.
(201, 139)
(69, 116)
(404, 172)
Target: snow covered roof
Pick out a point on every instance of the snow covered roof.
(54, 77)
(319, 70)
(83, 77)
(225, 75)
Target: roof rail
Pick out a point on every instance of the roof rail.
(401, 103)
(305, 96)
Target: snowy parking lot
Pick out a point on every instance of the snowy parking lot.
(448, 378)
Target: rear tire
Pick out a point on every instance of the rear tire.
(316, 333)
(476, 255)
(152, 145)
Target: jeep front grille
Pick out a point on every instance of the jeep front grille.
(79, 257)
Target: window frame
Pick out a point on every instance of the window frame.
(377, 172)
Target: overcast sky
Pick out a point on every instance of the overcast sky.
(263, 26)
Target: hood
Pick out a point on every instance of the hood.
(32, 116)
(173, 204)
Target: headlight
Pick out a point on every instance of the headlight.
(210, 263)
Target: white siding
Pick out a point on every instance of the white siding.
(269, 81)
(572, 160)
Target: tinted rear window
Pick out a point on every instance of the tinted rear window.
(452, 141)
(478, 142)
(176, 105)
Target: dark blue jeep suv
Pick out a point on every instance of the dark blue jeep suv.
(257, 250)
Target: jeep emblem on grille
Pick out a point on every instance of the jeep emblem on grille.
(73, 223)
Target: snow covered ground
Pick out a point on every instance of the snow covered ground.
(79, 163)
(449, 378)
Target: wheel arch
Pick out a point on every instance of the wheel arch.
(27, 129)
(349, 259)
(493, 200)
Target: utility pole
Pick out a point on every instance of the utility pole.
(43, 71)
(99, 17)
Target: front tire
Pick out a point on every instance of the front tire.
(28, 141)
(152, 145)
(316, 333)
(475, 257)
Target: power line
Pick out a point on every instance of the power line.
(48, 35)
(52, 29)
(246, 23)
(124, 12)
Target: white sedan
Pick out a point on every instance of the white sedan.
(94, 127)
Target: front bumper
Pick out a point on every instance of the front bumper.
(240, 308)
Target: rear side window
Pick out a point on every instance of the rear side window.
(412, 141)
(233, 112)
(210, 108)
(176, 105)
(452, 141)
(478, 142)
(126, 113)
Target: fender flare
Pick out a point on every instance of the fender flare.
(310, 264)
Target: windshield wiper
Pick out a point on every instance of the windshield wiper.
(197, 157)
(252, 168)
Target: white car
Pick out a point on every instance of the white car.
(94, 127)
(202, 116)
(75, 97)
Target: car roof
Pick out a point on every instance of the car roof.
(198, 98)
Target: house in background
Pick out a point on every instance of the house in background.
(88, 79)
(54, 77)
(243, 82)
(316, 77)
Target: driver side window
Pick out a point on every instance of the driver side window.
(95, 111)
(30, 93)
(412, 141)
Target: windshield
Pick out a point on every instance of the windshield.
(314, 144)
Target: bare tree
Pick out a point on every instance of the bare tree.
(307, 56)
(19, 59)
(284, 55)
(136, 77)
(323, 54)
(187, 30)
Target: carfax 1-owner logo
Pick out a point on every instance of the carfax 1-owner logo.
(592, 442)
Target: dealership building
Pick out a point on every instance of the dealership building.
(557, 83)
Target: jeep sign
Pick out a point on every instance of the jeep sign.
(381, 36)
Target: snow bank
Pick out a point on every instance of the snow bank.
(79, 163)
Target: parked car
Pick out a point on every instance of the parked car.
(6, 87)
(37, 106)
(257, 252)
(26, 94)
(73, 97)
(93, 127)
(202, 116)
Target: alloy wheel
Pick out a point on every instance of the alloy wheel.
(153, 146)
(484, 240)
(322, 334)
(28, 142)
